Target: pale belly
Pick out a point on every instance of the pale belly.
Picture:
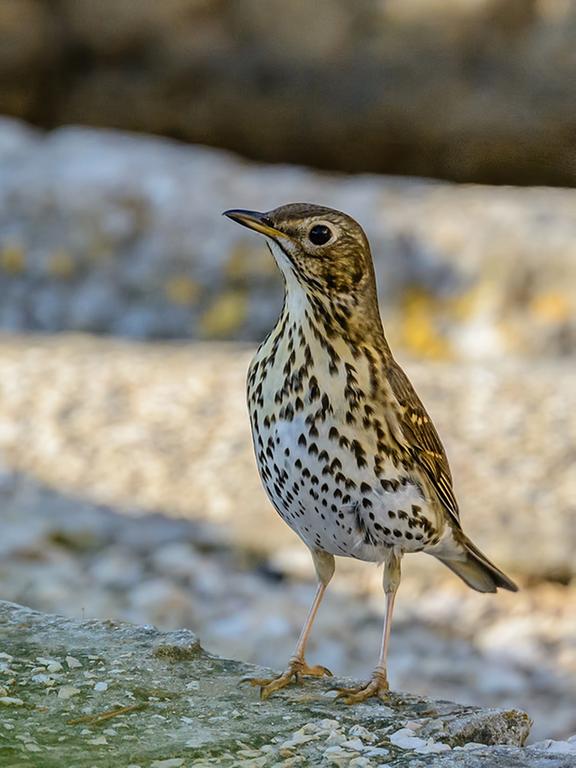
(336, 497)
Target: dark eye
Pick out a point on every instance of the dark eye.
(319, 234)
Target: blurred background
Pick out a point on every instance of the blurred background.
(129, 310)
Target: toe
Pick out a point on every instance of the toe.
(317, 671)
(376, 688)
(274, 685)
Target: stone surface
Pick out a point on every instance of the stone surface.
(140, 697)
(113, 233)
(475, 91)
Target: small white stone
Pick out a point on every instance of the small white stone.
(337, 756)
(297, 738)
(433, 747)
(377, 752)
(326, 725)
(557, 747)
(355, 744)
(73, 663)
(42, 677)
(335, 738)
(359, 762)
(11, 701)
(405, 739)
(101, 686)
(67, 691)
(173, 762)
(98, 740)
(362, 733)
(54, 666)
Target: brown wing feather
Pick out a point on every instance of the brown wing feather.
(422, 440)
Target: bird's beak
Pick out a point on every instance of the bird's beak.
(254, 220)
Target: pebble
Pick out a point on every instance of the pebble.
(11, 701)
(354, 744)
(67, 692)
(362, 733)
(337, 755)
(43, 678)
(50, 664)
(432, 747)
(98, 740)
(377, 752)
(405, 739)
(558, 747)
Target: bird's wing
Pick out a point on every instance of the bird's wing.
(420, 439)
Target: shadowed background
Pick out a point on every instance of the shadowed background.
(129, 310)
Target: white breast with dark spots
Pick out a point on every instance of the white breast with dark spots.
(323, 454)
(333, 504)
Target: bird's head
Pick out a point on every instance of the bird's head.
(324, 251)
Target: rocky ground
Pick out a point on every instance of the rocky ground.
(128, 490)
(104, 693)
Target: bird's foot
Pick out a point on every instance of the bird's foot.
(297, 669)
(377, 688)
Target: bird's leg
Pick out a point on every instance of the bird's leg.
(297, 666)
(378, 685)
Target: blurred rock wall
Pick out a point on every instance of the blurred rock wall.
(471, 91)
(107, 232)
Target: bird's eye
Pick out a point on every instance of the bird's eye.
(319, 234)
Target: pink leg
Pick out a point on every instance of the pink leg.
(378, 685)
(297, 666)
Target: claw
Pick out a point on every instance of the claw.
(296, 670)
(377, 688)
(317, 671)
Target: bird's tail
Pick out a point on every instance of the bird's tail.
(477, 571)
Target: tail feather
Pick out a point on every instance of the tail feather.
(477, 571)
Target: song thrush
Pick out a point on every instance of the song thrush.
(346, 451)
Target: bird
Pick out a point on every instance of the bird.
(346, 451)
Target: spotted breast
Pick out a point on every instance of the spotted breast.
(323, 447)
